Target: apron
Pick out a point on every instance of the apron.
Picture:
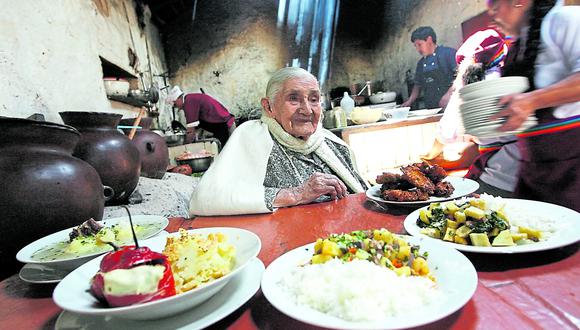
(435, 81)
(480, 163)
(550, 165)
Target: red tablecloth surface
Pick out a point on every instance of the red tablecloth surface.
(524, 291)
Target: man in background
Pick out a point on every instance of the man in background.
(435, 70)
(211, 114)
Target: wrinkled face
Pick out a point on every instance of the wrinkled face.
(508, 16)
(424, 47)
(297, 107)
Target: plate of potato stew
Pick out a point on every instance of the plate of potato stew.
(491, 224)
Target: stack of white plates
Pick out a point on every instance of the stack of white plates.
(480, 102)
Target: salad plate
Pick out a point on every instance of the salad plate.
(39, 251)
(455, 275)
(237, 292)
(562, 224)
(462, 187)
(72, 293)
(45, 274)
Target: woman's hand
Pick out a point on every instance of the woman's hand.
(320, 184)
(518, 107)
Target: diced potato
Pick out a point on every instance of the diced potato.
(386, 262)
(403, 271)
(425, 215)
(331, 248)
(460, 240)
(320, 258)
(449, 235)
(463, 231)
(404, 252)
(479, 203)
(434, 206)
(451, 224)
(479, 239)
(474, 212)
(494, 232)
(459, 217)
(383, 235)
(420, 266)
(502, 215)
(518, 236)
(532, 233)
(504, 238)
(451, 208)
(431, 232)
(318, 246)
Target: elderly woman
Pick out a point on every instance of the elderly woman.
(283, 159)
(547, 51)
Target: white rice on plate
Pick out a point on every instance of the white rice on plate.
(358, 290)
(520, 217)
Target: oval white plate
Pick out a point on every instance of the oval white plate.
(72, 293)
(456, 279)
(567, 221)
(462, 186)
(25, 254)
(236, 293)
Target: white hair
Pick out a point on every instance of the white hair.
(279, 77)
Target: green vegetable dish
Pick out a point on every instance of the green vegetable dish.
(470, 222)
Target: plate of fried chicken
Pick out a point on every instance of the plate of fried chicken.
(419, 184)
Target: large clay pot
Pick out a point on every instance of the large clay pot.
(43, 188)
(152, 148)
(109, 151)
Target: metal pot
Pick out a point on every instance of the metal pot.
(175, 140)
(197, 164)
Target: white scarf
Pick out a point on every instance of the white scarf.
(315, 143)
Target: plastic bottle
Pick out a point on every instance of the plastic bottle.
(347, 104)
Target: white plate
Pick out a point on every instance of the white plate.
(568, 231)
(72, 293)
(158, 223)
(237, 292)
(522, 81)
(44, 274)
(424, 112)
(456, 279)
(462, 187)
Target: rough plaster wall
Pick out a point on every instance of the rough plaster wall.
(49, 55)
(396, 55)
(230, 51)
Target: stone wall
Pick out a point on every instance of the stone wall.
(230, 51)
(49, 54)
(233, 46)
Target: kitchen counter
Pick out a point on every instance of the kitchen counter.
(515, 291)
(386, 145)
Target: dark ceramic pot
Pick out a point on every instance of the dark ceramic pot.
(152, 148)
(109, 151)
(44, 188)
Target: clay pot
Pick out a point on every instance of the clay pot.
(109, 151)
(44, 188)
(152, 148)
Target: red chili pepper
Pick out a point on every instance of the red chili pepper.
(397, 263)
(129, 257)
(352, 250)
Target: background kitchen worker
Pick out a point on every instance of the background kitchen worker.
(211, 114)
(435, 70)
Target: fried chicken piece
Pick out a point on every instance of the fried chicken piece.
(405, 196)
(414, 176)
(423, 167)
(392, 181)
(443, 189)
(388, 177)
(436, 173)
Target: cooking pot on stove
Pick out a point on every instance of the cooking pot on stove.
(197, 164)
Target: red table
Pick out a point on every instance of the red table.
(525, 291)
